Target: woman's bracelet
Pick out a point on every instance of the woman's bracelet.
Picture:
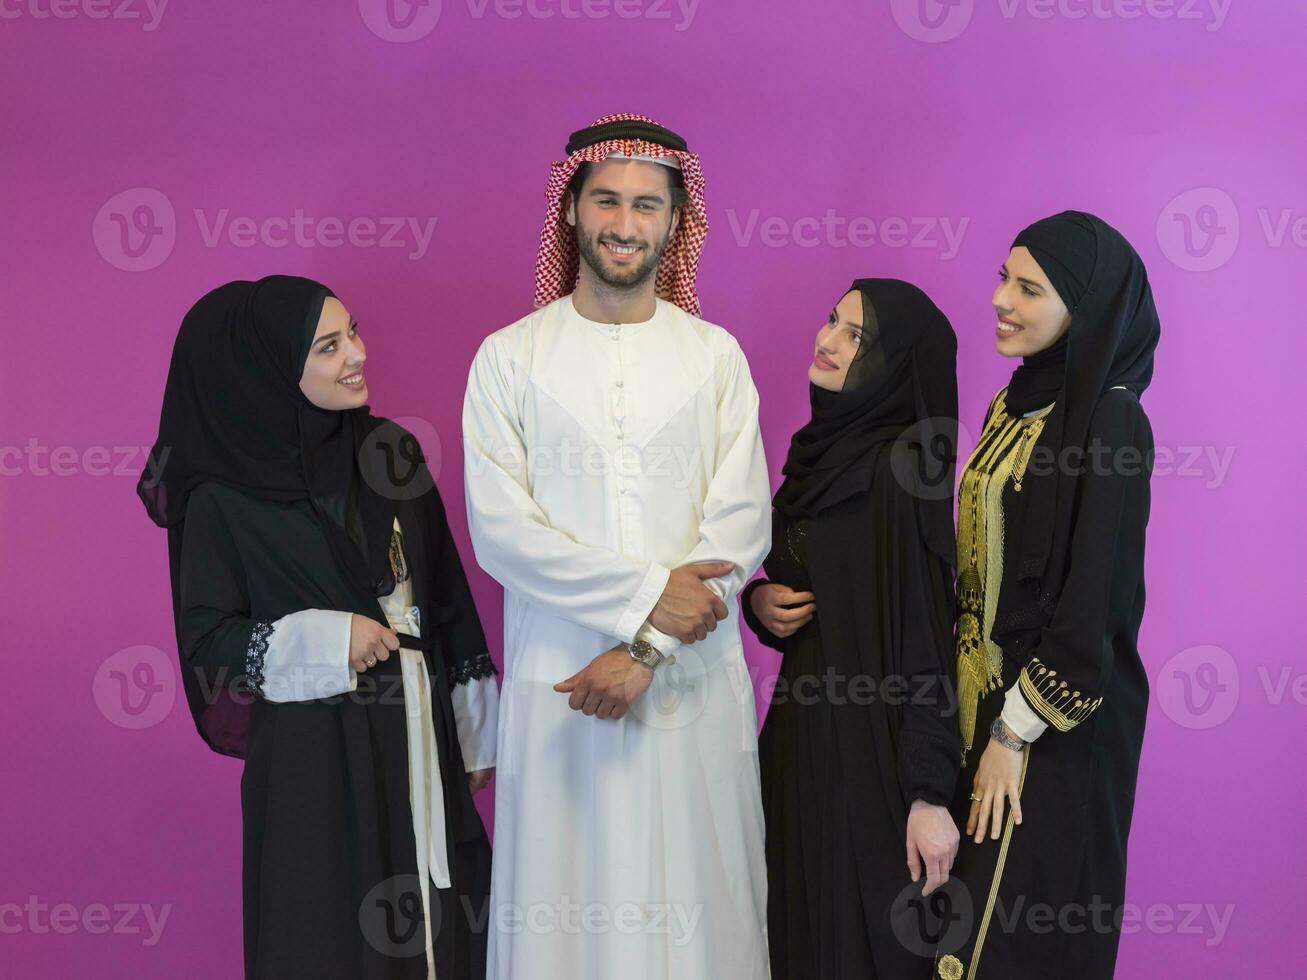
(998, 732)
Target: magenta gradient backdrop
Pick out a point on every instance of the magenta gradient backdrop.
(132, 145)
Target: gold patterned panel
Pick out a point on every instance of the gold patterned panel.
(398, 565)
(1001, 455)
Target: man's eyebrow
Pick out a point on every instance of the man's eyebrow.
(650, 196)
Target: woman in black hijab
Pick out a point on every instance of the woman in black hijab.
(859, 748)
(1052, 509)
(327, 637)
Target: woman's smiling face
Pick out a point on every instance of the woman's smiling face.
(1031, 315)
(333, 371)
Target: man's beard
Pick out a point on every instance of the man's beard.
(592, 252)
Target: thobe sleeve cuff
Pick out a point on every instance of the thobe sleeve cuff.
(476, 716)
(1020, 717)
(646, 598)
(660, 641)
(307, 657)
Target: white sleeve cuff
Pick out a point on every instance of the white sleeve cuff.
(476, 716)
(1020, 717)
(720, 585)
(646, 598)
(308, 657)
(660, 641)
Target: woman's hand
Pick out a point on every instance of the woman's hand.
(782, 610)
(369, 641)
(932, 843)
(479, 780)
(998, 777)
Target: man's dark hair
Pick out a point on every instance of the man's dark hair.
(677, 182)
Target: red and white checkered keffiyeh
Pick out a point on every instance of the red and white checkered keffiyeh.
(558, 261)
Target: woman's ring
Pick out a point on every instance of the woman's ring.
(976, 799)
(371, 661)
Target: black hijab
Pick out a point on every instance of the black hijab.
(874, 468)
(233, 412)
(901, 385)
(1064, 247)
(1113, 333)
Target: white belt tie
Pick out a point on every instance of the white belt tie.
(426, 792)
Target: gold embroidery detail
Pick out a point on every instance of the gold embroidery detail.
(950, 968)
(1030, 432)
(980, 553)
(797, 530)
(398, 566)
(1059, 705)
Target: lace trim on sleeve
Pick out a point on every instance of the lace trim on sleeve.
(256, 653)
(471, 670)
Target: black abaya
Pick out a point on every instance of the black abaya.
(325, 790)
(1068, 856)
(279, 508)
(1051, 607)
(861, 725)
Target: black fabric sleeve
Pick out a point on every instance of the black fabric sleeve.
(221, 644)
(990, 411)
(461, 637)
(765, 636)
(929, 750)
(1063, 680)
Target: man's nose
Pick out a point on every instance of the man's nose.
(625, 225)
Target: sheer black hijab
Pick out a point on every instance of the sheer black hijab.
(900, 387)
(1110, 342)
(873, 471)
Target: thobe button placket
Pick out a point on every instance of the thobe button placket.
(628, 520)
(619, 417)
(619, 412)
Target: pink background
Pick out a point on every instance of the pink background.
(1182, 125)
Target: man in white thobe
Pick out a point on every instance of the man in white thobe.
(617, 489)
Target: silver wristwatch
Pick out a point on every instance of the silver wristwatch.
(644, 652)
(999, 733)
